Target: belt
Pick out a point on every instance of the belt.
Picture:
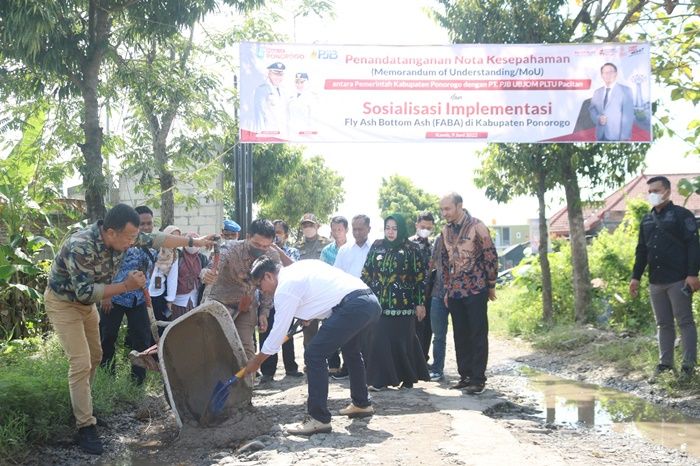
(354, 294)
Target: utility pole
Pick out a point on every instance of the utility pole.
(243, 178)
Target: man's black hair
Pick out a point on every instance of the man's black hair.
(608, 64)
(262, 227)
(261, 266)
(119, 215)
(427, 216)
(665, 182)
(339, 219)
(362, 217)
(456, 198)
(142, 209)
(283, 224)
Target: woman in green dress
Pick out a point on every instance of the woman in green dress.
(395, 272)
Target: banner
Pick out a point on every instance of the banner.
(485, 93)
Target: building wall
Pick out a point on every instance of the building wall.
(206, 218)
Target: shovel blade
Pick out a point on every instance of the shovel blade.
(220, 395)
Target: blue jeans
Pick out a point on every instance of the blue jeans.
(345, 327)
(438, 321)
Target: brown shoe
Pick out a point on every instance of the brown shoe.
(310, 426)
(353, 411)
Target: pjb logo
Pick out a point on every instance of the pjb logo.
(327, 54)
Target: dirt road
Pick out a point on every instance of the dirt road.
(429, 424)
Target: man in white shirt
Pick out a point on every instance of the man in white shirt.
(312, 289)
(351, 258)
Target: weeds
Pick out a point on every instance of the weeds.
(35, 404)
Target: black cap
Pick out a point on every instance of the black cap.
(276, 66)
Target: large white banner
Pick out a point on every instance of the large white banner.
(494, 93)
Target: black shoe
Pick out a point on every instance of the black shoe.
(686, 373)
(661, 368)
(341, 374)
(464, 383)
(474, 388)
(265, 379)
(295, 374)
(88, 441)
(407, 385)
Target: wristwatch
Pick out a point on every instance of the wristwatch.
(191, 242)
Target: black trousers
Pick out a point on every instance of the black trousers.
(470, 328)
(138, 334)
(424, 332)
(269, 366)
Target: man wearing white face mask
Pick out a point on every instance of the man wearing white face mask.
(668, 243)
(310, 247)
(425, 224)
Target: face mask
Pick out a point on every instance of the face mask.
(309, 232)
(255, 252)
(655, 199)
(423, 233)
(192, 250)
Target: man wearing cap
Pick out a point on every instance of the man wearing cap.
(231, 230)
(270, 103)
(299, 108)
(310, 247)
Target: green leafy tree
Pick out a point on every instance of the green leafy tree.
(398, 194)
(60, 47)
(307, 186)
(30, 180)
(543, 21)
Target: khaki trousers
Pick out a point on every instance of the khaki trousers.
(245, 325)
(77, 327)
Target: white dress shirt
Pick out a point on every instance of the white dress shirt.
(351, 258)
(307, 290)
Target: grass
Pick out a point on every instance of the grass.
(34, 400)
(515, 314)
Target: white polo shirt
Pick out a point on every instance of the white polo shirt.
(351, 258)
(307, 290)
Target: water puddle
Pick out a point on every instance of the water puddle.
(566, 402)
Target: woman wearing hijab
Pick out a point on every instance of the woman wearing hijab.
(190, 264)
(395, 272)
(163, 283)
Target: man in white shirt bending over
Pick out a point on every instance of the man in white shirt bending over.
(312, 289)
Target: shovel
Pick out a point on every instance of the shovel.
(223, 389)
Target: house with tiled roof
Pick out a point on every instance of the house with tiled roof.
(610, 212)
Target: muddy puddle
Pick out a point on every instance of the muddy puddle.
(577, 404)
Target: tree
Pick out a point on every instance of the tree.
(60, 47)
(492, 21)
(511, 170)
(398, 194)
(30, 179)
(308, 186)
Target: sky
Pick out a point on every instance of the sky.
(436, 168)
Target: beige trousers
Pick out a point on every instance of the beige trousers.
(77, 327)
(245, 325)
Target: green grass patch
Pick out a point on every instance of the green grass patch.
(629, 354)
(34, 399)
(564, 338)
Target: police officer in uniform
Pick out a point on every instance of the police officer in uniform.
(310, 247)
(270, 103)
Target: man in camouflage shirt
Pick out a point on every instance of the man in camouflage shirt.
(81, 275)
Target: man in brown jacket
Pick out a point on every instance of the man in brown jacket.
(469, 271)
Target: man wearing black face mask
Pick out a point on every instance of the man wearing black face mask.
(232, 286)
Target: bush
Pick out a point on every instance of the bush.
(34, 399)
